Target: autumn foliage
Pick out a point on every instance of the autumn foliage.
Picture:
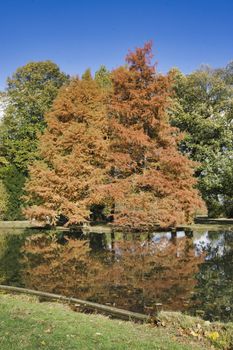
(73, 150)
(114, 148)
(149, 180)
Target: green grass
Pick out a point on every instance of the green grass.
(26, 324)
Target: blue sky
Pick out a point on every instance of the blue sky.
(81, 34)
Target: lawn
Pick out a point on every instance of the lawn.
(27, 324)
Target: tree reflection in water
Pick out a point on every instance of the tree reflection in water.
(213, 294)
(134, 272)
(128, 271)
(10, 255)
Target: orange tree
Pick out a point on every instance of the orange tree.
(149, 182)
(115, 148)
(73, 150)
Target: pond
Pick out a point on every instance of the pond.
(191, 272)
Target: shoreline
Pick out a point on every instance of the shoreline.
(200, 223)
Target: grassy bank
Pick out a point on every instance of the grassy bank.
(26, 324)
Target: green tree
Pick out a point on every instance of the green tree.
(29, 95)
(13, 181)
(87, 75)
(3, 101)
(226, 73)
(204, 111)
(3, 200)
(103, 77)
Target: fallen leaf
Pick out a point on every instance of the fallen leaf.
(48, 330)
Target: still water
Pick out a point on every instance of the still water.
(193, 273)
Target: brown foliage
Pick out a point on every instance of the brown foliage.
(150, 182)
(73, 150)
(119, 151)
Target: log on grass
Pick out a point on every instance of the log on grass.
(107, 310)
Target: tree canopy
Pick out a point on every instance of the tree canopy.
(150, 182)
(103, 77)
(114, 148)
(136, 146)
(204, 110)
(29, 95)
(73, 152)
